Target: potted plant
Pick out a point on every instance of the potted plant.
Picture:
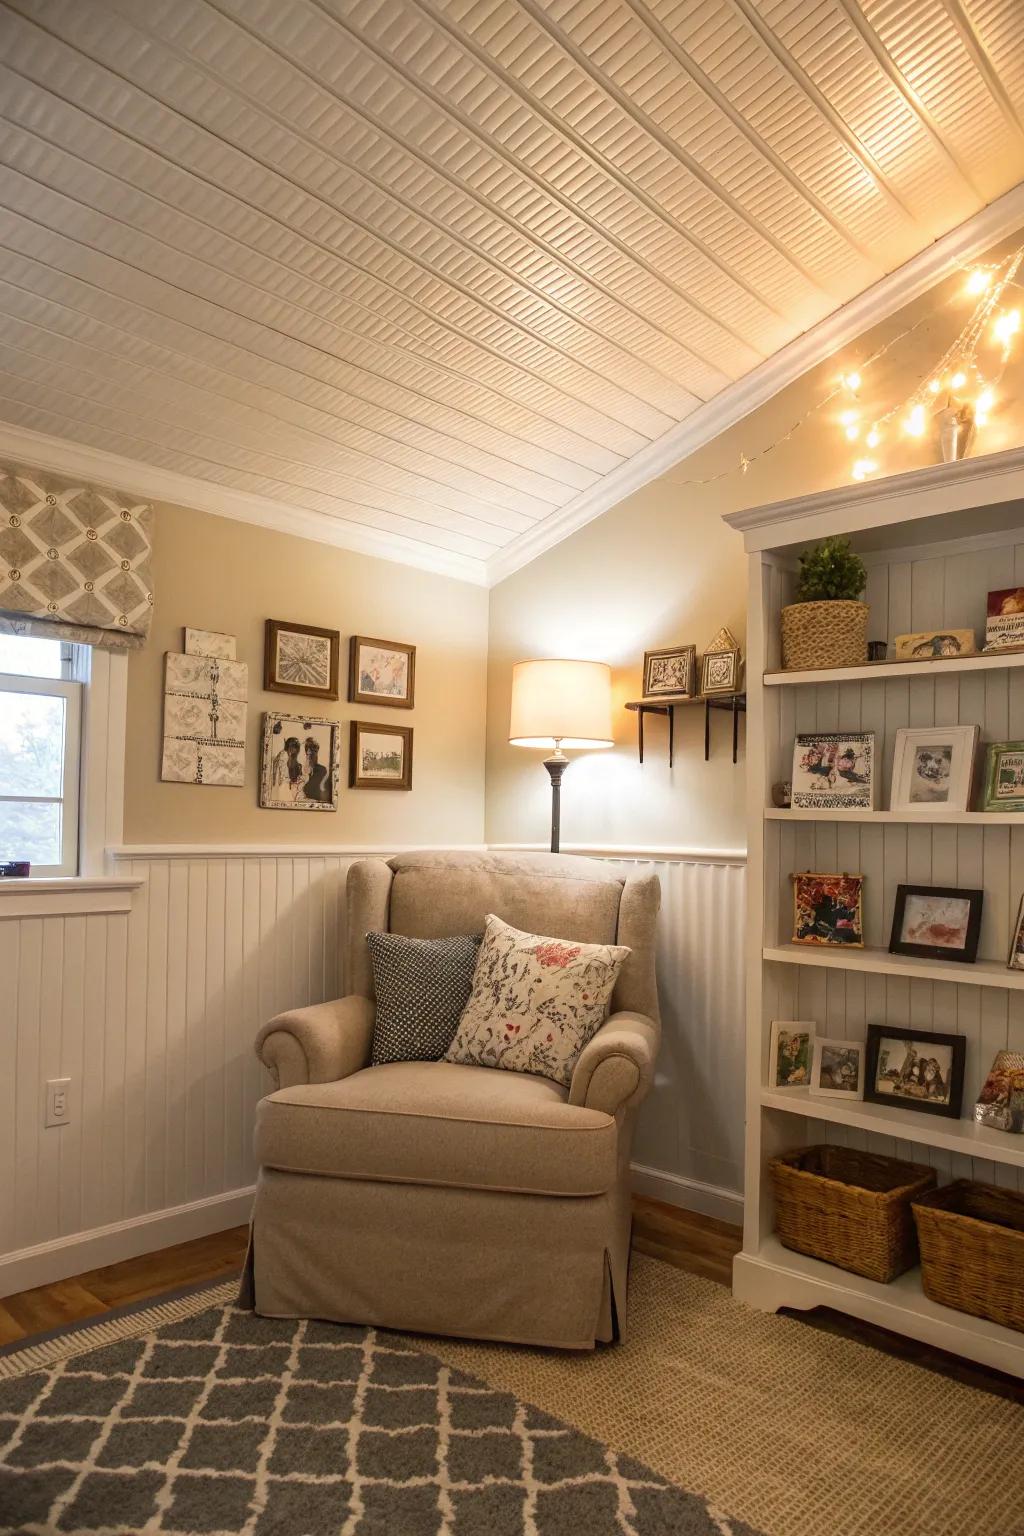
(827, 625)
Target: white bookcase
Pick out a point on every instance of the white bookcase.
(935, 542)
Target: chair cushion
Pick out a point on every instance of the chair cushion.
(421, 987)
(535, 1002)
(432, 1122)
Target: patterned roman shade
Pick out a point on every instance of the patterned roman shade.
(75, 560)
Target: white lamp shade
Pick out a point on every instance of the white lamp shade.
(566, 701)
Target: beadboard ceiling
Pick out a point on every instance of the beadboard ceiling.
(444, 278)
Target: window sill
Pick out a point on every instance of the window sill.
(69, 895)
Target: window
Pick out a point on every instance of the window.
(40, 744)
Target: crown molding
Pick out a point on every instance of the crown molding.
(907, 283)
(65, 456)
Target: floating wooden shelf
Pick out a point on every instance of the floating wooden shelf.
(873, 670)
(905, 818)
(964, 1136)
(665, 704)
(879, 962)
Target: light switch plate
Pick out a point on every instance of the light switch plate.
(58, 1101)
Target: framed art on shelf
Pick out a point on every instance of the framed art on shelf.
(720, 672)
(916, 1069)
(1004, 776)
(381, 672)
(935, 645)
(1004, 621)
(1015, 962)
(1001, 1101)
(828, 910)
(300, 658)
(380, 756)
(933, 768)
(673, 669)
(834, 770)
(299, 763)
(936, 922)
(791, 1054)
(838, 1070)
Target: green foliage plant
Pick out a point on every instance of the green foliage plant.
(831, 572)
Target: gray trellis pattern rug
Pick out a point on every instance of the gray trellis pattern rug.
(223, 1422)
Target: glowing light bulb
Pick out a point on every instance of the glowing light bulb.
(864, 467)
(1006, 327)
(848, 417)
(873, 438)
(986, 400)
(852, 382)
(852, 432)
(958, 380)
(914, 424)
(978, 281)
(935, 386)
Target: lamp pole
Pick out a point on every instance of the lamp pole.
(556, 765)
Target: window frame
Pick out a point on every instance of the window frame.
(71, 780)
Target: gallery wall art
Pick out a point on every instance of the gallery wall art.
(301, 659)
(205, 711)
(299, 763)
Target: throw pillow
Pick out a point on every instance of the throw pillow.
(535, 1002)
(421, 987)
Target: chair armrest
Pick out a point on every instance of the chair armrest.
(317, 1044)
(616, 1067)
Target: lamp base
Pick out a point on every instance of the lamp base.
(556, 765)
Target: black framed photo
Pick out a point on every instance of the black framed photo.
(915, 1069)
(936, 922)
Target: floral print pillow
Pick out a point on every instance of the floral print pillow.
(535, 1002)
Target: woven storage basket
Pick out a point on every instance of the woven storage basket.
(850, 1208)
(827, 634)
(972, 1250)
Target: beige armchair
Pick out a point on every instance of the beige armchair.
(457, 1199)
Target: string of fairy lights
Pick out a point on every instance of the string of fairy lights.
(954, 399)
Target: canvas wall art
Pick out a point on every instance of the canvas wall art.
(828, 909)
(210, 642)
(205, 712)
(299, 763)
(381, 672)
(834, 770)
(301, 659)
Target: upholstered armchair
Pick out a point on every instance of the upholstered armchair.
(451, 1199)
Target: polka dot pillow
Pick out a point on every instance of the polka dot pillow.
(535, 1002)
(421, 987)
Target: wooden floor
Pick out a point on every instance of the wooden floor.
(695, 1243)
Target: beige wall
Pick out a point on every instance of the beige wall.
(662, 568)
(214, 573)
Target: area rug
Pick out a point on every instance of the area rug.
(794, 1430)
(194, 1417)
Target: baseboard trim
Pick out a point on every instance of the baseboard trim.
(688, 1194)
(73, 1255)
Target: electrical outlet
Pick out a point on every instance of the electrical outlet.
(58, 1101)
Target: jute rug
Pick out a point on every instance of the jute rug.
(793, 1430)
(199, 1418)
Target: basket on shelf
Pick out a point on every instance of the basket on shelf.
(830, 633)
(849, 1208)
(972, 1250)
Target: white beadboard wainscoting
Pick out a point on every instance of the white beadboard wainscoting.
(148, 998)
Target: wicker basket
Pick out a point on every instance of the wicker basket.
(850, 1208)
(828, 634)
(972, 1250)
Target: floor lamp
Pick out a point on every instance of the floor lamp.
(558, 704)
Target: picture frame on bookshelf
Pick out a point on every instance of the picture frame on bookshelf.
(838, 1071)
(834, 770)
(1015, 959)
(1003, 785)
(1004, 620)
(936, 922)
(915, 1069)
(670, 670)
(935, 645)
(933, 768)
(828, 909)
(1001, 1101)
(790, 1054)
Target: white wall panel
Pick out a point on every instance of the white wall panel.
(152, 1014)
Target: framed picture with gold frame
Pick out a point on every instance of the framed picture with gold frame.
(301, 659)
(380, 756)
(381, 672)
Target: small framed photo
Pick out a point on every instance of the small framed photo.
(299, 763)
(936, 922)
(933, 768)
(838, 1070)
(935, 645)
(1016, 957)
(834, 770)
(915, 1069)
(299, 658)
(1004, 776)
(791, 1054)
(1001, 1101)
(380, 756)
(670, 670)
(381, 672)
(720, 672)
(828, 909)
